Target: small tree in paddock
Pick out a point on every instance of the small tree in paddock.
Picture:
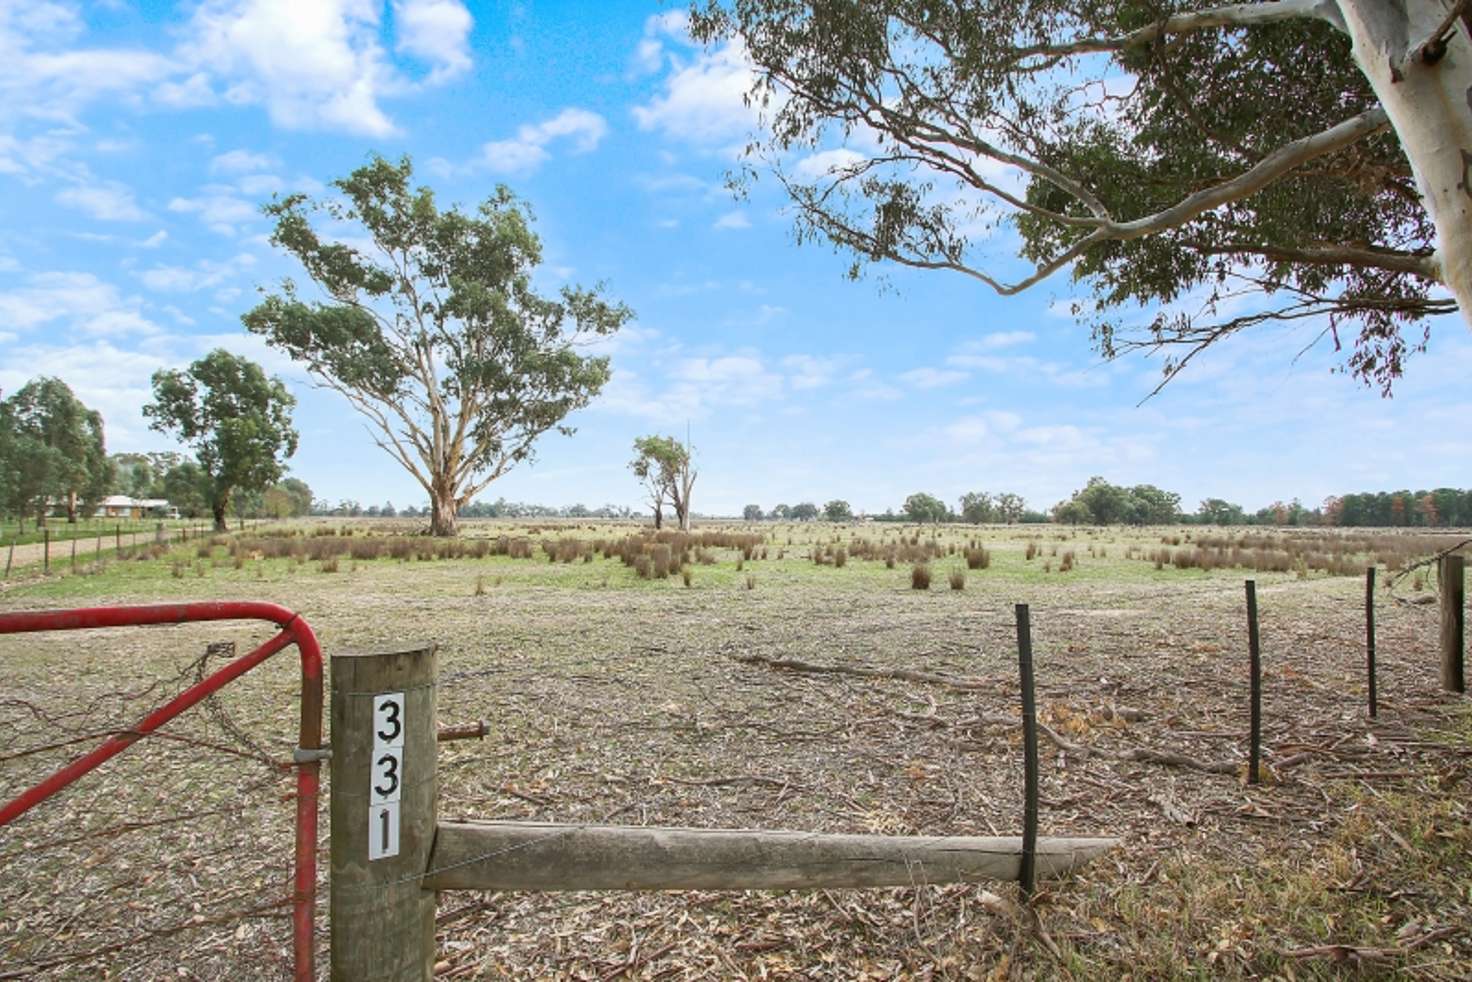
(237, 420)
(752, 513)
(804, 511)
(663, 464)
(432, 330)
(838, 510)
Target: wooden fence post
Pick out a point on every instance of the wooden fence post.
(1370, 634)
(1026, 874)
(1452, 579)
(46, 550)
(1254, 651)
(383, 812)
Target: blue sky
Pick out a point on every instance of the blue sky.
(138, 140)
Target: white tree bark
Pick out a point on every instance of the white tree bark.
(1429, 102)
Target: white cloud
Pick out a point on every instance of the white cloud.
(807, 372)
(583, 129)
(437, 32)
(704, 101)
(155, 240)
(218, 208)
(316, 65)
(73, 304)
(932, 378)
(106, 201)
(649, 53)
(1000, 339)
(203, 275)
(826, 163)
(242, 162)
(732, 220)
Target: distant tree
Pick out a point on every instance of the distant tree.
(434, 333)
(299, 494)
(1010, 507)
(838, 510)
(186, 486)
(1398, 509)
(1215, 511)
(1148, 505)
(1073, 512)
(236, 418)
(921, 507)
(57, 451)
(781, 513)
(663, 464)
(752, 513)
(804, 511)
(977, 507)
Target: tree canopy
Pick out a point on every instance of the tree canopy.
(237, 420)
(921, 507)
(1230, 166)
(431, 328)
(52, 450)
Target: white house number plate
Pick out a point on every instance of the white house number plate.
(386, 779)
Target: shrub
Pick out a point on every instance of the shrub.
(1032, 550)
(1067, 564)
(920, 577)
(176, 569)
(840, 557)
(958, 580)
(978, 558)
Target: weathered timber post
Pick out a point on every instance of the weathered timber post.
(383, 813)
(1451, 575)
(1370, 634)
(1027, 870)
(46, 550)
(118, 540)
(1254, 653)
(74, 554)
(10, 557)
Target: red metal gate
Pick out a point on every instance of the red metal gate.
(309, 754)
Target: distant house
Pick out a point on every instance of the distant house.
(122, 506)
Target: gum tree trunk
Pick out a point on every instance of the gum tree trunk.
(443, 520)
(1429, 102)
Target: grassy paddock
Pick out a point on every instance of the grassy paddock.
(613, 692)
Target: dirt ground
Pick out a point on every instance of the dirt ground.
(611, 698)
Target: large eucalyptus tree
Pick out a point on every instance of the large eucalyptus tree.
(430, 327)
(1316, 151)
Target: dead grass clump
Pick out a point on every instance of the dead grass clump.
(958, 579)
(840, 557)
(978, 558)
(920, 577)
(327, 565)
(751, 581)
(688, 575)
(1066, 564)
(480, 585)
(1032, 550)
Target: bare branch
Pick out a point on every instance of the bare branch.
(1390, 260)
(1232, 15)
(1257, 177)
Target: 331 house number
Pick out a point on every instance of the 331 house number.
(386, 777)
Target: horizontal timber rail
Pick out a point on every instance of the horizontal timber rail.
(541, 856)
(295, 631)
